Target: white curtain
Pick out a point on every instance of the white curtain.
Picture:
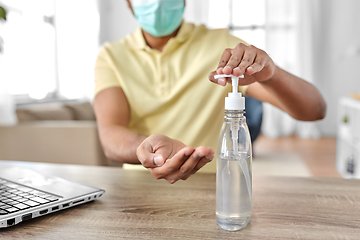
(7, 103)
(291, 27)
(77, 35)
(197, 11)
(7, 106)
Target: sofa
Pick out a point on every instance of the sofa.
(67, 133)
(54, 133)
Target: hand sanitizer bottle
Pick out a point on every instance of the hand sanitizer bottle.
(233, 165)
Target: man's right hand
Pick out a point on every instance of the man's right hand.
(171, 159)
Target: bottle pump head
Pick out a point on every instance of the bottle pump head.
(234, 100)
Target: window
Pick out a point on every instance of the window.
(245, 19)
(49, 49)
(27, 60)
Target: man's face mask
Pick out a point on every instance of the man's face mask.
(158, 17)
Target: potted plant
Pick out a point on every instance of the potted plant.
(2, 13)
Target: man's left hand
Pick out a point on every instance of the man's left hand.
(252, 62)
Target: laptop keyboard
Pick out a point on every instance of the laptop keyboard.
(14, 197)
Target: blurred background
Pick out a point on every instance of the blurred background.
(48, 49)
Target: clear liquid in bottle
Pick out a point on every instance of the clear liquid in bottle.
(233, 203)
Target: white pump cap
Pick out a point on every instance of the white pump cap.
(235, 100)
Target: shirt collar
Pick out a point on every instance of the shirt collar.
(137, 40)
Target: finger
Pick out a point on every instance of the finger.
(223, 60)
(147, 157)
(247, 60)
(206, 159)
(235, 59)
(220, 81)
(212, 78)
(192, 162)
(258, 65)
(189, 165)
(202, 162)
(173, 165)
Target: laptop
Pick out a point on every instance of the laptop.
(26, 194)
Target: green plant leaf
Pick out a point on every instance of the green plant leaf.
(2, 13)
(345, 119)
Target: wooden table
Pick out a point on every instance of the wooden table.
(136, 206)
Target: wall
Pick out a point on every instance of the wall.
(337, 57)
(116, 20)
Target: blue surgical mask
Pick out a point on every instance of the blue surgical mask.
(158, 17)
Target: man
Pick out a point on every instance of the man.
(153, 105)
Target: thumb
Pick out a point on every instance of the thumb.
(147, 157)
(158, 159)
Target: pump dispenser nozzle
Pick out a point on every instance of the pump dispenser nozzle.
(235, 100)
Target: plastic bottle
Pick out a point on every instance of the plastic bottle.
(233, 170)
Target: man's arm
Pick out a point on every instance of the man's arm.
(164, 157)
(113, 115)
(300, 99)
(269, 83)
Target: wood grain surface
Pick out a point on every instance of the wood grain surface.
(136, 206)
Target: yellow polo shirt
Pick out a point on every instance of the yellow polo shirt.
(169, 92)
